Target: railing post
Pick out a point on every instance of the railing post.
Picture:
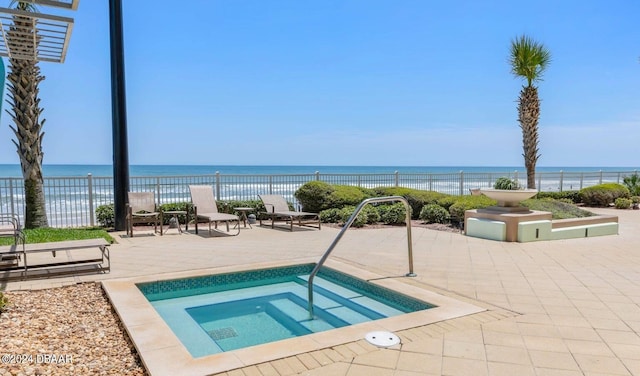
(92, 218)
(397, 178)
(461, 183)
(13, 204)
(600, 176)
(431, 182)
(270, 184)
(317, 175)
(539, 182)
(159, 199)
(581, 179)
(561, 180)
(217, 185)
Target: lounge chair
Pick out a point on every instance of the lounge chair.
(277, 209)
(141, 208)
(205, 208)
(10, 227)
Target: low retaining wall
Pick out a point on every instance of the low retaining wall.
(535, 226)
(571, 222)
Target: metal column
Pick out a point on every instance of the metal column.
(118, 116)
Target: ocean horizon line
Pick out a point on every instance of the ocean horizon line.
(106, 170)
(321, 165)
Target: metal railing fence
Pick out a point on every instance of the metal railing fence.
(72, 201)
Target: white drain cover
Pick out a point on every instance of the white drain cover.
(382, 339)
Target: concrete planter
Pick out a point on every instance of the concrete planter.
(509, 198)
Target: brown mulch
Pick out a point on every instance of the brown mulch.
(70, 330)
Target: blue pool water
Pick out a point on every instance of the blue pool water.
(224, 312)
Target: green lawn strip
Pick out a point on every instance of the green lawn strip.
(44, 235)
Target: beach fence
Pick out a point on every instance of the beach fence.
(72, 201)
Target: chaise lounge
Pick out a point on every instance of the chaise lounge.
(205, 209)
(277, 209)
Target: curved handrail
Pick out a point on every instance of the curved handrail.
(346, 227)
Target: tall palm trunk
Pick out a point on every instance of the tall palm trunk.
(23, 81)
(528, 115)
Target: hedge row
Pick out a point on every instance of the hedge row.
(600, 195)
(317, 196)
(336, 203)
(603, 194)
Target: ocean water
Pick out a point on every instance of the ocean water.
(71, 197)
(74, 170)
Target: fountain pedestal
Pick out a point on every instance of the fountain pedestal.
(511, 220)
(508, 211)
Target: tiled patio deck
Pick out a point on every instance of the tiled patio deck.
(568, 307)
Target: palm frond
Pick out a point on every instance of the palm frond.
(24, 5)
(528, 59)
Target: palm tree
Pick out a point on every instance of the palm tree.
(23, 80)
(528, 60)
(632, 182)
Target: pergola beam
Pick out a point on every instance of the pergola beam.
(52, 40)
(65, 4)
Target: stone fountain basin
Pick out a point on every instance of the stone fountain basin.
(509, 198)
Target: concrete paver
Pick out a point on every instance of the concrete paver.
(567, 307)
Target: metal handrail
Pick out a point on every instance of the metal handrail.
(346, 227)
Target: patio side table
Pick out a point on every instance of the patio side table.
(174, 214)
(243, 214)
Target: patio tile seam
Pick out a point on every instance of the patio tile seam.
(310, 360)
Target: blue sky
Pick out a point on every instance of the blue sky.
(336, 82)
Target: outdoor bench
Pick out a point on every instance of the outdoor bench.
(36, 263)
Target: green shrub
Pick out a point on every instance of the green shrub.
(317, 196)
(348, 195)
(447, 201)
(347, 211)
(574, 196)
(416, 198)
(257, 205)
(395, 214)
(4, 301)
(506, 183)
(635, 199)
(434, 213)
(559, 209)
(632, 183)
(105, 215)
(176, 206)
(603, 194)
(332, 215)
(314, 196)
(392, 191)
(464, 203)
(623, 203)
